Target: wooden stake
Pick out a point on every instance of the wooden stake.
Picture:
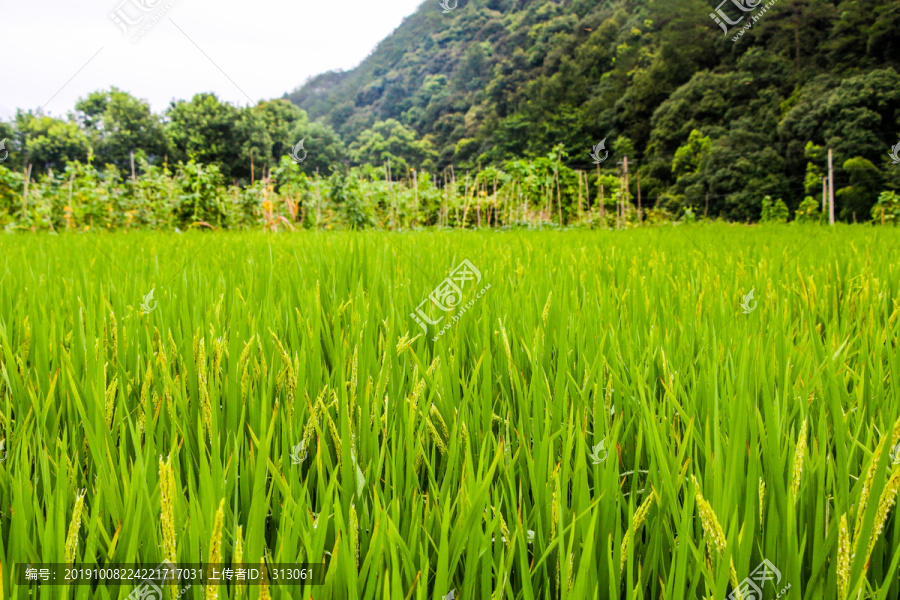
(602, 202)
(600, 187)
(579, 193)
(71, 208)
(558, 196)
(625, 194)
(318, 200)
(25, 193)
(415, 193)
(495, 199)
(830, 189)
(639, 196)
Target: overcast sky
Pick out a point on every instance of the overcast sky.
(253, 49)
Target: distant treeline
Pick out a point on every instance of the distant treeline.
(541, 192)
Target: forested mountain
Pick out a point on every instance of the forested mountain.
(708, 119)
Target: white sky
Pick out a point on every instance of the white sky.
(267, 47)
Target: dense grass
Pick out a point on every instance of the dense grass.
(464, 463)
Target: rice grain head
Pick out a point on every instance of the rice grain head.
(434, 365)
(546, 312)
(732, 573)
(843, 559)
(885, 503)
(639, 516)
(215, 548)
(799, 452)
(509, 360)
(110, 408)
(238, 559)
(435, 435)
(870, 479)
(709, 521)
(167, 495)
(263, 586)
(354, 367)
(354, 534)
(762, 500)
(74, 527)
(554, 517)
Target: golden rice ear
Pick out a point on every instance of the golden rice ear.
(885, 503)
(709, 520)
(215, 548)
(238, 558)
(167, 495)
(639, 516)
(354, 534)
(74, 527)
(799, 453)
(762, 500)
(844, 559)
(263, 585)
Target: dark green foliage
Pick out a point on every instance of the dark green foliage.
(345, 196)
(201, 201)
(857, 199)
(119, 124)
(774, 212)
(808, 211)
(485, 86)
(887, 209)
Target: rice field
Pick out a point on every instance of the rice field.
(615, 417)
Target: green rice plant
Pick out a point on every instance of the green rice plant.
(606, 421)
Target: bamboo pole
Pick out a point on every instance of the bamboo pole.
(71, 208)
(640, 218)
(625, 194)
(830, 189)
(25, 193)
(600, 186)
(579, 193)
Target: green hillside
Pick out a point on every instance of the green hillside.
(495, 80)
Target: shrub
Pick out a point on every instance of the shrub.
(887, 209)
(774, 212)
(808, 211)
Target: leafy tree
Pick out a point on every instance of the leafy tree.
(812, 183)
(51, 143)
(857, 199)
(118, 124)
(856, 117)
(281, 120)
(325, 149)
(12, 146)
(808, 211)
(199, 199)
(204, 131)
(391, 140)
(11, 185)
(690, 157)
(345, 195)
(887, 209)
(774, 212)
